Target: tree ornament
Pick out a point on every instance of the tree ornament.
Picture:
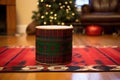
(93, 30)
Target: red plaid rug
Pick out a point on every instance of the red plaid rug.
(83, 59)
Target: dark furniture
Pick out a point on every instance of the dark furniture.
(10, 15)
(101, 12)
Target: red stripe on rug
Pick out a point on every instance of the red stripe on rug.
(112, 54)
(2, 49)
(91, 56)
(8, 55)
(98, 56)
(26, 58)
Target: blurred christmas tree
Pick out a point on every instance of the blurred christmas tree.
(55, 12)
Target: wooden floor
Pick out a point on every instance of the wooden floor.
(78, 40)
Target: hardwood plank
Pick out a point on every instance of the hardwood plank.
(61, 76)
(78, 40)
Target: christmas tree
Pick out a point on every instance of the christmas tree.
(55, 12)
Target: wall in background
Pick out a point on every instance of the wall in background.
(24, 13)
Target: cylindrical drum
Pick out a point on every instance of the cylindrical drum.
(54, 44)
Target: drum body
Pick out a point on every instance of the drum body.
(54, 44)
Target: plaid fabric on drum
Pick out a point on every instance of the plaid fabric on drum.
(63, 59)
(54, 33)
(54, 45)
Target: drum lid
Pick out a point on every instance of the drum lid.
(54, 27)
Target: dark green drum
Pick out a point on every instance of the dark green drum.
(54, 44)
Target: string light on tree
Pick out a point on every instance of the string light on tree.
(42, 0)
(51, 12)
(73, 14)
(46, 13)
(62, 23)
(55, 18)
(63, 6)
(37, 3)
(68, 7)
(67, 11)
(77, 20)
(60, 4)
(42, 17)
(51, 17)
(47, 5)
(66, 2)
(45, 23)
(55, 14)
(51, 20)
(70, 2)
(58, 23)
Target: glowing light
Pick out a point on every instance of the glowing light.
(45, 23)
(46, 13)
(73, 14)
(42, 17)
(66, 2)
(63, 23)
(55, 14)
(42, 0)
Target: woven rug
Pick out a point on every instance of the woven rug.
(84, 59)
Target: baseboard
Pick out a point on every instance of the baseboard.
(21, 28)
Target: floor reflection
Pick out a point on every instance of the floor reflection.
(86, 76)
